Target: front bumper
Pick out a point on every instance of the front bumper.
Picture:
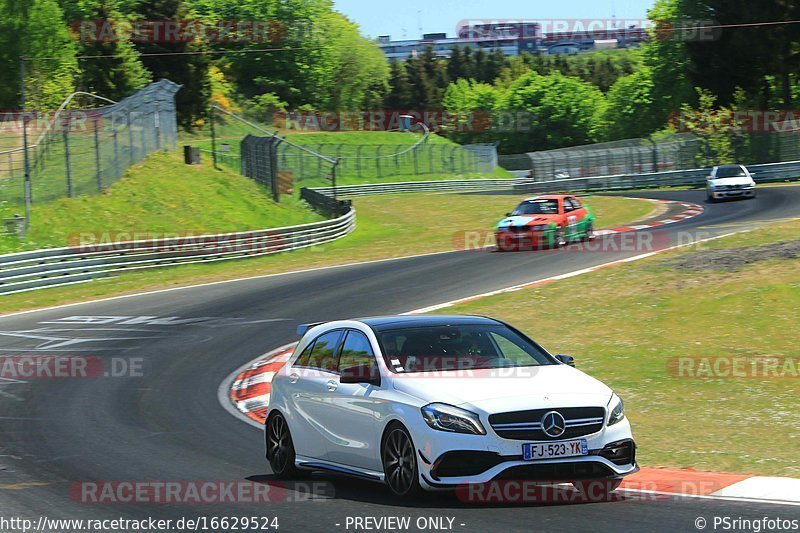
(448, 460)
(732, 193)
(521, 240)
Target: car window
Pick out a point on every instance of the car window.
(568, 207)
(356, 351)
(427, 349)
(323, 354)
(575, 203)
(302, 360)
(537, 207)
(730, 172)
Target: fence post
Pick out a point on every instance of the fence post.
(157, 124)
(98, 169)
(416, 162)
(129, 124)
(213, 139)
(273, 165)
(26, 156)
(67, 161)
(333, 179)
(358, 160)
(378, 161)
(116, 147)
(654, 152)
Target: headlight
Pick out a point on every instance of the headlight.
(453, 419)
(617, 410)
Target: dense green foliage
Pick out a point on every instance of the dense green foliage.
(316, 59)
(312, 55)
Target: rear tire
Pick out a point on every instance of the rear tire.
(590, 236)
(280, 448)
(400, 463)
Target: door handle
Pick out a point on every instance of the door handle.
(332, 385)
(293, 378)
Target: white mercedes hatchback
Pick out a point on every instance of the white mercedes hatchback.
(436, 402)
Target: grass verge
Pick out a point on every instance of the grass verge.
(161, 195)
(388, 226)
(627, 326)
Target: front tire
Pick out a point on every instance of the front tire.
(559, 238)
(280, 448)
(400, 463)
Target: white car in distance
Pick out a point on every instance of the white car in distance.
(730, 181)
(438, 402)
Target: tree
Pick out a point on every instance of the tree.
(456, 66)
(631, 110)
(36, 30)
(471, 107)
(188, 68)
(669, 62)
(552, 111)
(400, 96)
(113, 77)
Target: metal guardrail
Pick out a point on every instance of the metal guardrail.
(765, 173)
(348, 191)
(64, 266)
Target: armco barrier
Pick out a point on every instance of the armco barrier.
(325, 204)
(766, 173)
(63, 266)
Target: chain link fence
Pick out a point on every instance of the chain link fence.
(74, 150)
(668, 153)
(309, 164)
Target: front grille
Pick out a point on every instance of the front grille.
(518, 229)
(576, 471)
(527, 425)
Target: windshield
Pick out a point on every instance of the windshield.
(731, 172)
(537, 207)
(428, 349)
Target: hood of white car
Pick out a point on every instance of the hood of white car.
(742, 180)
(507, 389)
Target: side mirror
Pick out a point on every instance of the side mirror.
(566, 359)
(508, 214)
(361, 374)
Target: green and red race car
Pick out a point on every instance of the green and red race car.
(552, 220)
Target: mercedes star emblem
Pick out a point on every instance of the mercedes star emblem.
(553, 424)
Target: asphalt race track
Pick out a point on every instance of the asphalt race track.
(168, 424)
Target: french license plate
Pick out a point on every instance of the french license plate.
(549, 450)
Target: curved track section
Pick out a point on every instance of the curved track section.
(161, 418)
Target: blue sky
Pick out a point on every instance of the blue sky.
(385, 17)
